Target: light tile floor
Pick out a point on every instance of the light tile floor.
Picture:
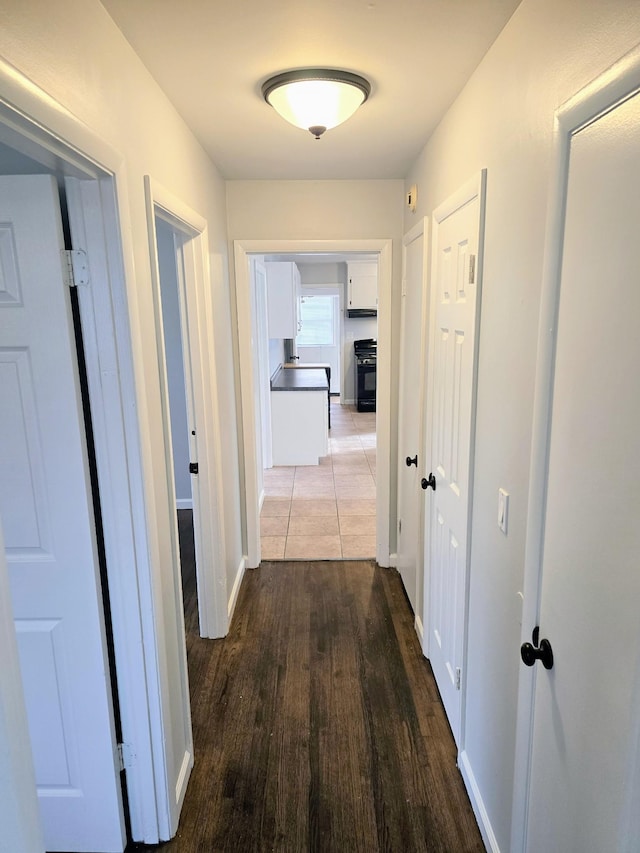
(325, 511)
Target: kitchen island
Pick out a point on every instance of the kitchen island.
(299, 421)
(311, 365)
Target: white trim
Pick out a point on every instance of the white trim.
(242, 250)
(106, 332)
(184, 503)
(419, 629)
(477, 803)
(202, 400)
(420, 229)
(608, 90)
(233, 598)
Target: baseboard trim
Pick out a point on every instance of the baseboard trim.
(236, 587)
(393, 561)
(419, 630)
(184, 503)
(477, 803)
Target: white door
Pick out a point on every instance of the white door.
(410, 457)
(454, 310)
(47, 514)
(585, 776)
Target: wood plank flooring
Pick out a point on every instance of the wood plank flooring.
(317, 723)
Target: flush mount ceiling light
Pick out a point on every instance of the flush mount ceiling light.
(316, 99)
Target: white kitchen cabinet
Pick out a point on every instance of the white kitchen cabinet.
(362, 291)
(283, 299)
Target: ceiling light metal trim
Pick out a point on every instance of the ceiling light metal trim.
(315, 75)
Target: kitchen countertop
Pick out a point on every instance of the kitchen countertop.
(306, 365)
(310, 379)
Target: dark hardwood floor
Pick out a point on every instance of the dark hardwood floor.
(317, 722)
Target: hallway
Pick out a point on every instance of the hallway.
(317, 723)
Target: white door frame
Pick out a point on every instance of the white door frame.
(196, 317)
(612, 87)
(261, 340)
(420, 229)
(42, 128)
(242, 250)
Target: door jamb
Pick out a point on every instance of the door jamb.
(618, 83)
(420, 229)
(242, 250)
(205, 445)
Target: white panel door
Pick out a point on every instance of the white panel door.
(585, 777)
(46, 510)
(452, 382)
(410, 460)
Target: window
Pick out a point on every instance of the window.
(317, 315)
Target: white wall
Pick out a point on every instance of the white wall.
(276, 354)
(72, 50)
(503, 120)
(327, 210)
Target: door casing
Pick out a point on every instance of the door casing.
(410, 497)
(242, 251)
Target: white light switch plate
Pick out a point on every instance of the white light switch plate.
(503, 509)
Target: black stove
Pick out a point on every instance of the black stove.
(365, 351)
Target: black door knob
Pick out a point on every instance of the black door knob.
(531, 652)
(428, 482)
(411, 461)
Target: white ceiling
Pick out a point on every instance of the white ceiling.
(211, 57)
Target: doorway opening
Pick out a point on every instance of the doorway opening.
(325, 510)
(183, 321)
(275, 490)
(168, 242)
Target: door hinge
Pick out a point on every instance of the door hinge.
(76, 267)
(193, 467)
(458, 677)
(125, 756)
(472, 269)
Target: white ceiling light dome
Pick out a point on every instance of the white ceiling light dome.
(316, 99)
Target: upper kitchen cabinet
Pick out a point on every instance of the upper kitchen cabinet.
(362, 292)
(283, 299)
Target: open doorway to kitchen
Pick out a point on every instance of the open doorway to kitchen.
(327, 509)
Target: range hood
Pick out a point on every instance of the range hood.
(352, 313)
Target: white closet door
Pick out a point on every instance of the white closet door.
(47, 514)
